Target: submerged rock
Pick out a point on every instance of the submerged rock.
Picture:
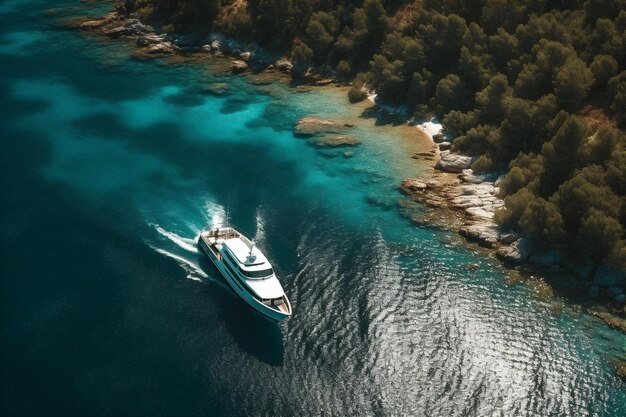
(412, 185)
(336, 141)
(309, 126)
(452, 162)
(93, 24)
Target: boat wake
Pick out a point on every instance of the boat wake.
(193, 270)
(184, 251)
(182, 242)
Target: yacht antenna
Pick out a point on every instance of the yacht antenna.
(227, 209)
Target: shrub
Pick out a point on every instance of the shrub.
(302, 56)
(542, 222)
(572, 84)
(483, 164)
(524, 171)
(617, 94)
(356, 94)
(578, 196)
(603, 67)
(344, 68)
(598, 235)
(514, 206)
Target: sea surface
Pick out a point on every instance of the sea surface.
(111, 166)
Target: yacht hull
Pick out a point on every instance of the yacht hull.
(240, 289)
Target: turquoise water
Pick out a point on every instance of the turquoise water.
(110, 168)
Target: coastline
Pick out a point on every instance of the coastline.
(455, 198)
(464, 202)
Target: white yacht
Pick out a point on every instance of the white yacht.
(247, 271)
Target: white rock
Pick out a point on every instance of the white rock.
(238, 66)
(479, 212)
(452, 162)
(284, 65)
(484, 234)
(414, 185)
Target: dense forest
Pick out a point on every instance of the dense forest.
(534, 87)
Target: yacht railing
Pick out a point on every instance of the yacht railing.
(228, 231)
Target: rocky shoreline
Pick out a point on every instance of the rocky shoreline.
(467, 203)
(149, 43)
(457, 199)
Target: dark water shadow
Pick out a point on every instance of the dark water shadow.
(383, 117)
(185, 99)
(253, 333)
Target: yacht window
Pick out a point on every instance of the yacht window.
(264, 273)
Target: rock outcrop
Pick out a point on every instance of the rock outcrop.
(452, 162)
(310, 126)
(147, 40)
(336, 141)
(483, 233)
(283, 65)
(412, 185)
(517, 253)
(238, 66)
(439, 138)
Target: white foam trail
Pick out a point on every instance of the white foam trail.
(192, 269)
(185, 243)
(214, 213)
(260, 227)
(185, 263)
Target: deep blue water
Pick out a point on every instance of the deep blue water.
(110, 167)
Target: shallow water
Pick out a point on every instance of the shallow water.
(110, 168)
